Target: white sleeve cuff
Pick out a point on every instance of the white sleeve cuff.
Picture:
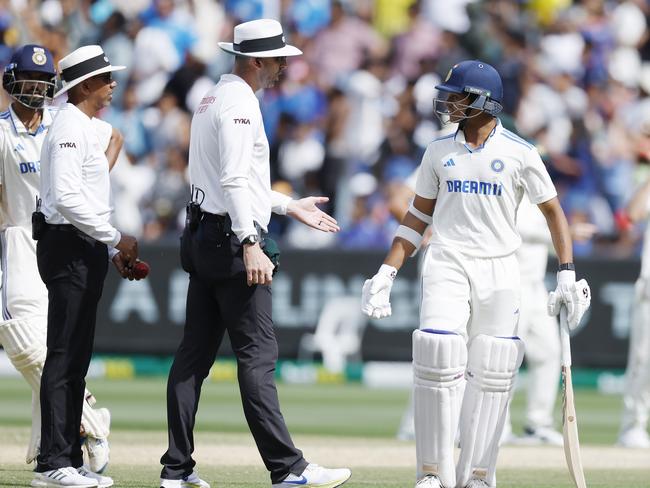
(279, 202)
(112, 252)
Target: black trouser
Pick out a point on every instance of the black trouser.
(219, 300)
(73, 267)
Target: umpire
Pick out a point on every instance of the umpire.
(73, 256)
(230, 274)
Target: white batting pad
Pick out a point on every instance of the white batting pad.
(439, 360)
(24, 343)
(95, 422)
(491, 371)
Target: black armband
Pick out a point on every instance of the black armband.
(567, 267)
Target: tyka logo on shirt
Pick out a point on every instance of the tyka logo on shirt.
(67, 144)
(242, 121)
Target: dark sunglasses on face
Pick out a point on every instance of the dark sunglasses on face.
(105, 77)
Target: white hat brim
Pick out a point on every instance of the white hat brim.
(287, 50)
(75, 82)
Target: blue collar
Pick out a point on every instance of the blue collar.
(459, 137)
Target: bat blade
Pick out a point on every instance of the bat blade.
(570, 431)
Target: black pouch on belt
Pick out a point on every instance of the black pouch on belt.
(38, 225)
(192, 216)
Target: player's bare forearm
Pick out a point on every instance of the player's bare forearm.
(401, 248)
(114, 147)
(559, 227)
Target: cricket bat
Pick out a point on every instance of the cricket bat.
(569, 421)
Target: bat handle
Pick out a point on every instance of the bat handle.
(565, 338)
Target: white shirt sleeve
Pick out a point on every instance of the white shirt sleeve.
(104, 132)
(236, 143)
(279, 202)
(428, 183)
(536, 180)
(66, 161)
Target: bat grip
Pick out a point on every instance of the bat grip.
(565, 338)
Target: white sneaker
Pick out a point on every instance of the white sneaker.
(67, 476)
(477, 483)
(98, 449)
(102, 481)
(191, 481)
(429, 481)
(634, 438)
(539, 436)
(316, 476)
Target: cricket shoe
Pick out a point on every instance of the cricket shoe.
(67, 476)
(429, 481)
(190, 481)
(316, 476)
(477, 483)
(102, 481)
(98, 449)
(539, 436)
(634, 438)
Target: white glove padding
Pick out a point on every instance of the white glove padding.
(575, 295)
(375, 296)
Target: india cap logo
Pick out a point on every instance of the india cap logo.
(39, 57)
(497, 165)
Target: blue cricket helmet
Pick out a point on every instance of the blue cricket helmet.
(30, 58)
(476, 78)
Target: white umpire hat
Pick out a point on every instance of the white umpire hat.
(81, 64)
(262, 38)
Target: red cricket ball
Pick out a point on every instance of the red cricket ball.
(140, 270)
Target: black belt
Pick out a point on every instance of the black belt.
(225, 222)
(71, 228)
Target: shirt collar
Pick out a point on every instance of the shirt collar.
(19, 127)
(233, 77)
(78, 112)
(460, 137)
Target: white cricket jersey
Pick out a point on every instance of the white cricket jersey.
(229, 157)
(535, 241)
(75, 186)
(478, 190)
(20, 167)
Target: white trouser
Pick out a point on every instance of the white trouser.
(471, 300)
(540, 333)
(469, 296)
(636, 400)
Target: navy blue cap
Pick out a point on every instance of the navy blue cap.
(32, 57)
(474, 77)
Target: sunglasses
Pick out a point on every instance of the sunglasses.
(106, 78)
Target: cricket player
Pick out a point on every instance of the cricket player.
(29, 79)
(636, 399)
(469, 187)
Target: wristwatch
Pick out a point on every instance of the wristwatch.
(251, 239)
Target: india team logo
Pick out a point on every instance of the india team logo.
(497, 165)
(39, 57)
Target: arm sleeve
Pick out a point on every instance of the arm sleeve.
(66, 182)
(104, 132)
(536, 180)
(531, 223)
(428, 183)
(236, 142)
(279, 202)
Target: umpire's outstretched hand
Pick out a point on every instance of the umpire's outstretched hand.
(306, 211)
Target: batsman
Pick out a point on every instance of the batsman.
(466, 353)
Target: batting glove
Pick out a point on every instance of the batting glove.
(375, 296)
(575, 295)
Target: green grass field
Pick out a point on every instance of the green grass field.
(334, 424)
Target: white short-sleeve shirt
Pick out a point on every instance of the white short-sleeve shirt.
(477, 191)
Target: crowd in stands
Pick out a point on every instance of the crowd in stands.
(353, 116)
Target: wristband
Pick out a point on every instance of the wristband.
(567, 267)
